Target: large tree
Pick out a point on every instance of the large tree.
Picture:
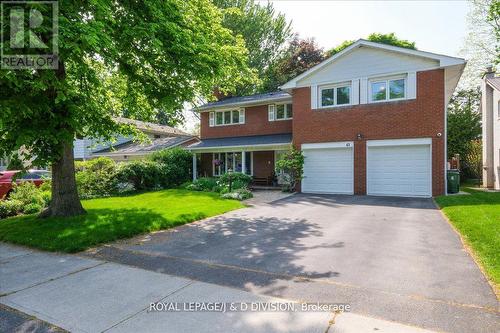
(264, 31)
(113, 56)
(481, 44)
(300, 55)
(389, 39)
(303, 54)
(464, 121)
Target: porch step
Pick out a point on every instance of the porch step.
(264, 188)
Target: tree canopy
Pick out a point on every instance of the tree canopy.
(389, 39)
(303, 54)
(464, 121)
(264, 31)
(114, 56)
(300, 55)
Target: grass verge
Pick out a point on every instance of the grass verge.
(477, 218)
(113, 218)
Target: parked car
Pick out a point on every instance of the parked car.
(9, 177)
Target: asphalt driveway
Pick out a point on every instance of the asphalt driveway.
(390, 258)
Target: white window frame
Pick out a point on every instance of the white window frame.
(387, 81)
(334, 87)
(213, 117)
(221, 172)
(273, 112)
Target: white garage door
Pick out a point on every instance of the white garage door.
(403, 170)
(328, 168)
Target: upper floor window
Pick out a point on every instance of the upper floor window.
(335, 95)
(389, 89)
(230, 117)
(280, 112)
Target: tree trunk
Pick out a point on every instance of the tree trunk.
(65, 200)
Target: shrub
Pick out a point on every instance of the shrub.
(27, 193)
(143, 175)
(46, 186)
(175, 164)
(32, 208)
(96, 178)
(292, 166)
(9, 208)
(238, 180)
(239, 194)
(46, 196)
(206, 184)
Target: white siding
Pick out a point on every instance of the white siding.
(366, 62)
(80, 148)
(83, 148)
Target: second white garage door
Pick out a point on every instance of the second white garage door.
(328, 168)
(399, 170)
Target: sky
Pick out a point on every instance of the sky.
(435, 26)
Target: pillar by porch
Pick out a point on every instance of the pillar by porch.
(243, 162)
(195, 171)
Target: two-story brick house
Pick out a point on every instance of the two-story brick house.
(370, 120)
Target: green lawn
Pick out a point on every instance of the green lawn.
(477, 218)
(109, 219)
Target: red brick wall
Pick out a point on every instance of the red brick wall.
(256, 123)
(421, 117)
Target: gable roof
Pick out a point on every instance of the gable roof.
(444, 61)
(494, 82)
(138, 148)
(246, 100)
(152, 127)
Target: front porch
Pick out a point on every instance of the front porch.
(214, 157)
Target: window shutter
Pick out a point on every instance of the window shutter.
(412, 85)
(211, 120)
(314, 97)
(355, 92)
(242, 116)
(271, 112)
(363, 91)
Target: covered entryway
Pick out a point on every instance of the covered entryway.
(399, 167)
(328, 168)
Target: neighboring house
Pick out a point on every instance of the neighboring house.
(490, 109)
(370, 120)
(4, 162)
(126, 149)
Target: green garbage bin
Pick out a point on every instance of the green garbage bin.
(453, 181)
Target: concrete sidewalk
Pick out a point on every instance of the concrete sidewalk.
(86, 295)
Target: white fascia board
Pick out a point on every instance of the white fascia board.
(226, 107)
(240, 148)
(444, 60)
(452, 75)
(323, 145)
(399, 142)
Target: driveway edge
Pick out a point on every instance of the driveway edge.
(468, 248)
